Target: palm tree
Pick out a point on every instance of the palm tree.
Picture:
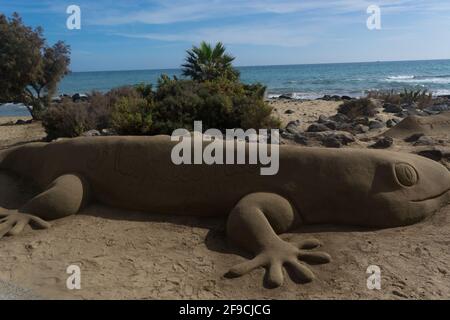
(206, 63)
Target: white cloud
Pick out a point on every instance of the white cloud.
(166, 12)
(277, 35)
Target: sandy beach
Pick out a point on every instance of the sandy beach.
(125, 255)
(17, 134)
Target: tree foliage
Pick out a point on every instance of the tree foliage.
(29, 69)
(205, 63)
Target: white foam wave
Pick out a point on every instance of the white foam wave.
(13, 105)
(400, 77)
(420, 80)
(441, 92)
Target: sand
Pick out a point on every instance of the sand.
(18, 134)
(126, 255)
(307, 112)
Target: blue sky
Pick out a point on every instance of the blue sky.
(154, 34)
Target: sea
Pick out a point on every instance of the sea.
(310, 81)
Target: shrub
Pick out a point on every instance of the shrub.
(422, 98)
(67, 119)
(70, 119)
(132, 116)
(101, 109)
(364, 107)
(386, 96)
(220, 104)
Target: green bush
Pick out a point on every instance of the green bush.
(364, 107)
(220, 104)
(132, 116)
(71, 119)
(138, 110)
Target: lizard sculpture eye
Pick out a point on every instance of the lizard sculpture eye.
(406, 174)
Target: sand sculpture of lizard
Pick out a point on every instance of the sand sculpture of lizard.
(313, 186)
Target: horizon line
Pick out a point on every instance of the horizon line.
(272, 65)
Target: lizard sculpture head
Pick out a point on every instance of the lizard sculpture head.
(414, 188)
(373, 188)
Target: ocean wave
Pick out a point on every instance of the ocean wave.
(13, 105)
(441, 92)
(434, 80)
(400, 77)
(438, 79)
(296, 95)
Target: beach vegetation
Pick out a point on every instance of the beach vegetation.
(132, 116)
(213, 95)
(363, 107)
(68, 119)
(421, 98)
(220, 104)
(30, 69)
(206, 63)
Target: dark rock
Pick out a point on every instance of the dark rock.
(346, 98)
(374, 124)
(392, 123)
(91, 133)
(333, 98)
(414, 137)
(332, 142)
(424, 141)
(392, 108)
(345, 127)
(340, 118)
(331, 124)
(360, 128)
(301, 139)
(409, 106)
(412, 112)
(108, 132)
(293, 126)
(317, 127)
(285, 96)
(438, 108)
(342, 136)
(402, 114)
(77, 97)
(289, 111)
(416, 112)
(383, 143)
(323, 119)
(22, 122)
(362, 120)
(286, 135)
(431, 113)
(433, 154)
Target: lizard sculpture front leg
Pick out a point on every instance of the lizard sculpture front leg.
(65, 196)
(254, 225)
